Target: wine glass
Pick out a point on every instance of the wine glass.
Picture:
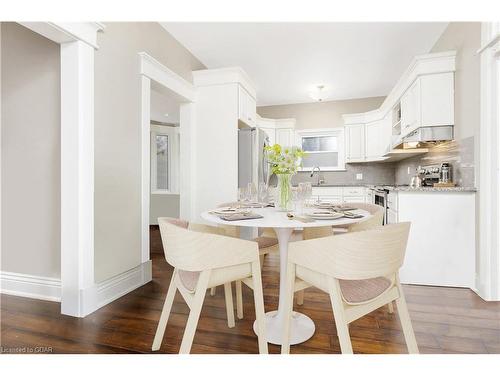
(263, 196)
(307, 191)
(242, 195)
(251, 192)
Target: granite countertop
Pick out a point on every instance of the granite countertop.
(463, 189)
(404, 188)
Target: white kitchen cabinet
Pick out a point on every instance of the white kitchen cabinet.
(280, 131)
(285, 137)
(370, 198)
(392, 217)
(271, 134)
(441, 246)
(354, 194)
(361, 199)
(428, 102)
(353, 191)
(410, 108)
(246, 107)
(355, 143)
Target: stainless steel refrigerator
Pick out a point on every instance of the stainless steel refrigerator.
(252, 162)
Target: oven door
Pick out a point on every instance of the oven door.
(380, 198)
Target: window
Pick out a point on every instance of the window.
(324, 148)
(164, 159)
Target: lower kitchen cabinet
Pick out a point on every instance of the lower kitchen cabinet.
(392, 217)
(359, 199)
(340, 194)
(441, 244)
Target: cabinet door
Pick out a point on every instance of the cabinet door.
(373, 139)
(331, 198)
(354, 199)
(437, 99)
(410, 109)
(369, 196)
(246, 107)
(392, 217)
(271, 133)
(355, 142)
(284, 137)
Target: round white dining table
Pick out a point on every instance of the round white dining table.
(302, 327)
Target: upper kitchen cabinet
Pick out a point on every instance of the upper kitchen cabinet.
(355, 143)
(217, 113)
(280, 131)
(423, 97)
(377, 138)
(246, 107)
(367, 136)
(428, 102)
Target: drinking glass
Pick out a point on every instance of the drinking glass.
(295, 197)
(251, 192)
(301, 190)
(307, 191)
(263, 193)
(242, 195)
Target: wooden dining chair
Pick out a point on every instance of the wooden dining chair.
(358, 270)
(267, 244)
(203, 258)
(375, 220)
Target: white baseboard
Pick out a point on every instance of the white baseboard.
(93, 298)
(109, 290)
(22, 285)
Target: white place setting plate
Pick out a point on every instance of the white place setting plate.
(325, 215)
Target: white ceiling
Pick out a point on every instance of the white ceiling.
(286, 60)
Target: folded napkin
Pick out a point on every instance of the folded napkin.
(352, 215)
(241, 216)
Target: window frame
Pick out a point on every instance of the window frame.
(326, 132)
(172, 155)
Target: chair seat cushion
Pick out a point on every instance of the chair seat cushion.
(358, 291)
(264, 242)
(189, 279)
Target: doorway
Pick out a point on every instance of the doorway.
(167, 130)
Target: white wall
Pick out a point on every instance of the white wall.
(118, 137)
(30, 92)
(320, 114)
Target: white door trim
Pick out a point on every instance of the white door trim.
(488, 272)
(152, 69)
(78, 42)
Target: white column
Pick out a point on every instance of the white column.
(77, 175)
(146, 161)
(488, 277)
(187, 157)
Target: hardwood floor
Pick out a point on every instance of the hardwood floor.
(446, 320)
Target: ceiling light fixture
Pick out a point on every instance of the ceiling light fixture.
(320, 93)
(166, 115)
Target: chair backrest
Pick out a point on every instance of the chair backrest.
(374, 221)
(200, 249)
(355, 256)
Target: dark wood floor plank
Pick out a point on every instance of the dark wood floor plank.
(446, 320)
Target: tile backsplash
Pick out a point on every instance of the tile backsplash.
(373, 174)
(459, 153)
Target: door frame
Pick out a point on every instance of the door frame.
(78, 42)
(152, 70)
(488, 225)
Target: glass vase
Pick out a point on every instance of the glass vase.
(284, 192)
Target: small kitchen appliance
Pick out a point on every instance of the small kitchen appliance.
(437, 175)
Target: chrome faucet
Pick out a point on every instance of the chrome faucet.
(320, 179)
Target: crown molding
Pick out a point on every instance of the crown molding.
(64, 32)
